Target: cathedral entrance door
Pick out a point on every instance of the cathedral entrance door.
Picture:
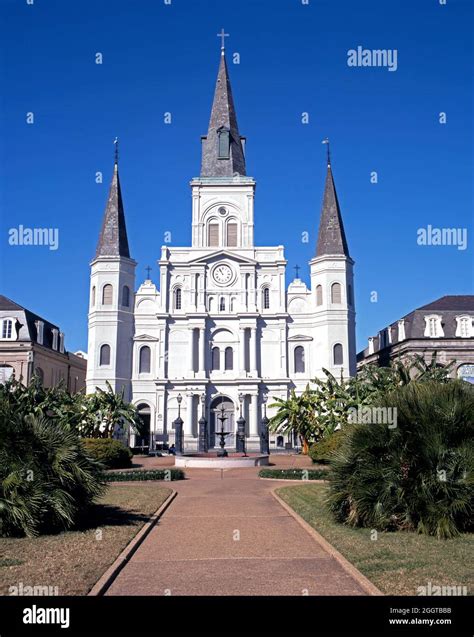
(215, 423)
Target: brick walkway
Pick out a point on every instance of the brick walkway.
(225, 534)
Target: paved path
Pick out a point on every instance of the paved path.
(225, 534)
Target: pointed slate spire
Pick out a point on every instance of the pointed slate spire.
(219, 157)
(113, 240)
(331, 236)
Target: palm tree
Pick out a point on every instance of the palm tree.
(105, 409)
(295, 414)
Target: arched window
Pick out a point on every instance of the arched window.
(6, 372)
(319, 295)
(336, 296)
(216, 355)
(7, 328)
(299, 360)
(232, 235)
(266, 298)
(177, 299)
(337, 354)
(222, 304)
(232, 304)
(107, 294)
(229, 358)
(93, 296)
(104, 358)
(145, 360)
(211, 304)
(213, 235)
(126, 296)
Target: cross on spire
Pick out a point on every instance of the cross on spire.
(223, 35)
(148, 270)
(116, 150)
(297, 270)
(326, 141)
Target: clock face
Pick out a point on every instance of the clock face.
(222, 274)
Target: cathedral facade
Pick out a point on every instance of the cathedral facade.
(220, 327)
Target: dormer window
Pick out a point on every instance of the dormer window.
(61, 342)
(55, 339)
(7, 329)
(464, 326)
(223, 143)
(433, 326)
(39, 332)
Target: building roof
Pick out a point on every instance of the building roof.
(331, 236)
(454, 303)
(8, 304)
(223, 115)
(113, 241)
(26, 322)
(414, 322)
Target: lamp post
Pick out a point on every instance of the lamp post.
(264, 435)
(240, 443)
(178, 427)
(222, 453)
(203, 444)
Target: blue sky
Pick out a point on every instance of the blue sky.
(161, 58)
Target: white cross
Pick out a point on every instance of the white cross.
(223, 35)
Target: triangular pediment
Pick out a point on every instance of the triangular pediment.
(300, 337)
(222, 254)
(145, 337)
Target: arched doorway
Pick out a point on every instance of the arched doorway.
(142, 438)
(215, 423)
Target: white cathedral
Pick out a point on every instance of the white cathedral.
(221, 327)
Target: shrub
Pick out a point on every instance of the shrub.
(322, 451)
(294, 474)
(416, 476)
(139, 475)
(46, 478)
(113, 454)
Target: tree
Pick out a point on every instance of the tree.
(105, 410)
(414, 476)
(296, 414)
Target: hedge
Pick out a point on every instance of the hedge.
(113, 454)
(141, 475)
(294, 474)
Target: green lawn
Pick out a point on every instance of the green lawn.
(397, 563)
(74, 560)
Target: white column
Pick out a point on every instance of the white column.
(188, 424)
(242, 365)
(191, 350)
(202, 349)
(253, 425)
(253, 349)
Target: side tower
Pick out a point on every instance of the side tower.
(332, 289)
(112, 285)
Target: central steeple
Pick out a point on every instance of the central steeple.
(222, 148)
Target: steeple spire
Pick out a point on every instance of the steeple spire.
(113, 235)
(331, 236)
(222, 150)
